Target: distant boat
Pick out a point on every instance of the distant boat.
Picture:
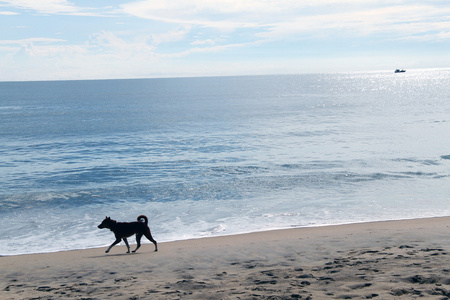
(400, 71)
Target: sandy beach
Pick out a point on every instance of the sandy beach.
(382, 260)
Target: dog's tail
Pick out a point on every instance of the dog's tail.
(143, 217)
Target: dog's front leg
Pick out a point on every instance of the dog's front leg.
(126, 243)
(113, 244)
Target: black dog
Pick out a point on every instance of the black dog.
(127, 229)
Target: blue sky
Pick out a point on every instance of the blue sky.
(62, 39)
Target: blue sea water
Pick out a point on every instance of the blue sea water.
(217, 156)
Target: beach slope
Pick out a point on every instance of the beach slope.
(380, 260)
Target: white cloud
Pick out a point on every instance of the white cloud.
(119, 48)
(203, 42)
(283, 18)
(52, 7)
(208, 49)
(44, 6)
(8, 13)
(106, 38)
(30, 40)
(52, 52)
(216, 14)
(170, 36)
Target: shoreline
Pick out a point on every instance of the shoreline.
(144, 241)
(404, 258)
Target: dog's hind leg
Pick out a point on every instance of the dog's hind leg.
(113, 244)
(150, 238)
(138, 241)
(126, 243)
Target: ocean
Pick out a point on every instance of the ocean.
(217, 156)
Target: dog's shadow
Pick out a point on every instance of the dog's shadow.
(114, 255)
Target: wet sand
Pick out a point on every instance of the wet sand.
(381, 260)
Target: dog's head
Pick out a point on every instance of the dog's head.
(106, 223)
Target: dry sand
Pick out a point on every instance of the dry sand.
(381, 260)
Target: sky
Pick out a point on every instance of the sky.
(110, 39)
